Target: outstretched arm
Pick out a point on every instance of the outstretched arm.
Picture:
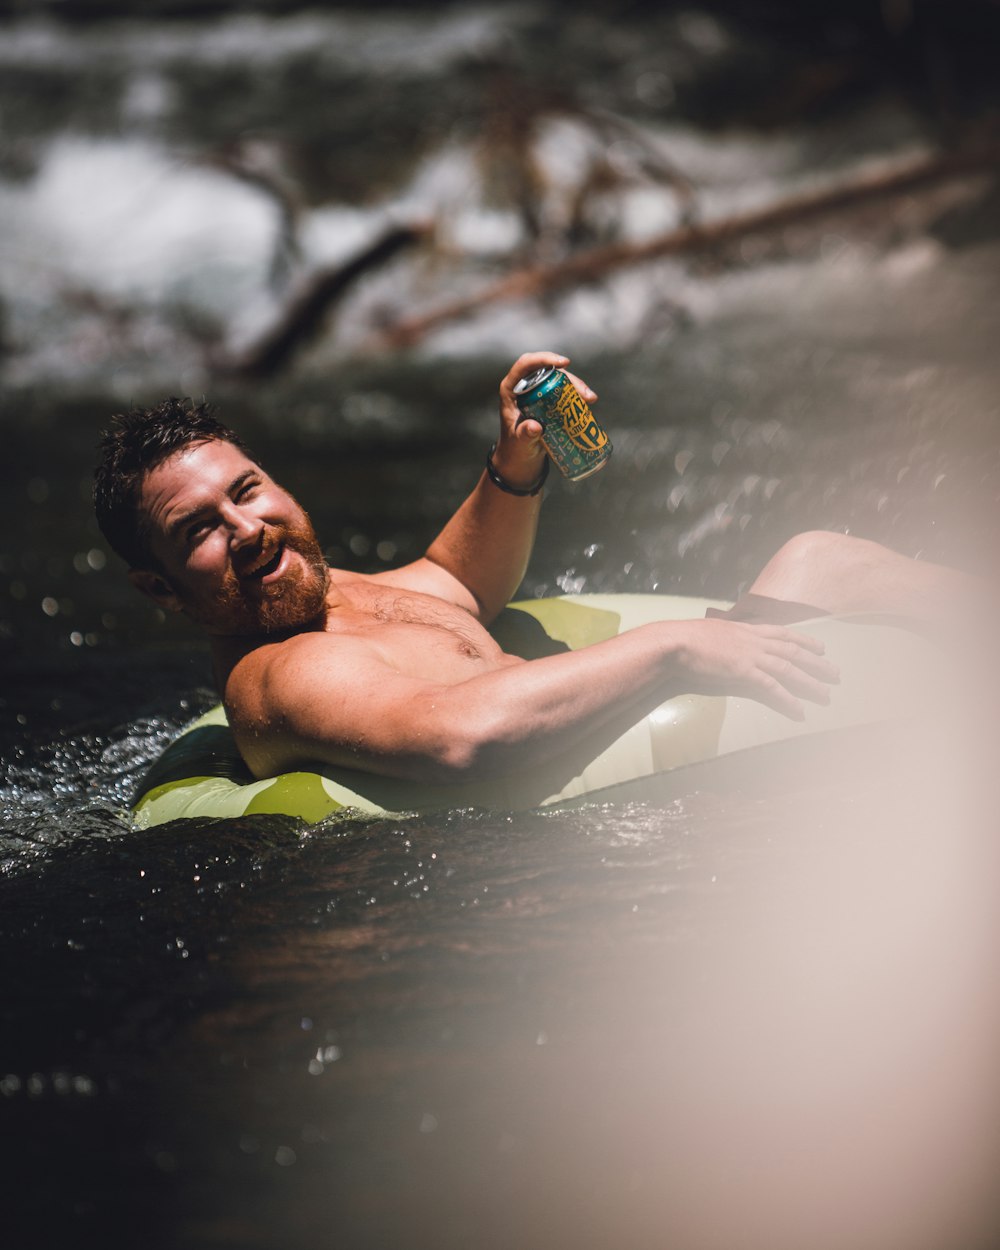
(480, 557)
(349, 706)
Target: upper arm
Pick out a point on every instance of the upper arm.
(338, 703)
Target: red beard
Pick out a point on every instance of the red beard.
(245, 606)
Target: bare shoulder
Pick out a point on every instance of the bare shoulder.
(306, 698)
(278, 673)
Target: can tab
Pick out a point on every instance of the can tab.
(532, 379)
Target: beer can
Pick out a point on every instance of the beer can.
(572, 437)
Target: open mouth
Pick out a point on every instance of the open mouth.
(267, 568)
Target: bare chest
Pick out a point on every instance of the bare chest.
(420, 634)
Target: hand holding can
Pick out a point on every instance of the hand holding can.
(572, 437)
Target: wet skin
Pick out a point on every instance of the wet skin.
(396, 672)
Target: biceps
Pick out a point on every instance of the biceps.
(376, 721)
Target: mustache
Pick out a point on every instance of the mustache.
(298, 538)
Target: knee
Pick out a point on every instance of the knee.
(814, 567)
(816, 549)
(821, 561)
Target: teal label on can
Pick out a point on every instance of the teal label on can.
(570, 432)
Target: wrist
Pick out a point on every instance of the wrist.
(669, 647)
(520, 479)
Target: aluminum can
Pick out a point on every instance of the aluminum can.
(572, 437)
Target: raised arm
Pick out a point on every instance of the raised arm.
(351, 707)
(480, 557)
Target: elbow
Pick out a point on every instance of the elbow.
(472, 753)
(461, 758)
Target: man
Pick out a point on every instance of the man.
(395, 673)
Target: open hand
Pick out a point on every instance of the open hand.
(775, 666)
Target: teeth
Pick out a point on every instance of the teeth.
(266, 566)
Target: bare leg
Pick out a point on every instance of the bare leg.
(842, 574)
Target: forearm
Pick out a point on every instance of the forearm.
(524, 714)
(531, 711)
(487, 544)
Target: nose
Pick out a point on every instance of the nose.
(244, 528)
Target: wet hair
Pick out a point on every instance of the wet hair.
(134, 443)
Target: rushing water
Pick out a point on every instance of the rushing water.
(754, 1017)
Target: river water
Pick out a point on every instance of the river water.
(762, 1014)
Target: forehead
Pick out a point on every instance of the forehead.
(194, 477)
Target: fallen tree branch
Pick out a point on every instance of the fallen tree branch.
(595, 262)
(303, 316)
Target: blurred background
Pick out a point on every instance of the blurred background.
(286, 209)
(767, 233)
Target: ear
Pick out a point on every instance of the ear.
(156, 586)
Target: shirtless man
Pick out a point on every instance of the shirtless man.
(395, 673)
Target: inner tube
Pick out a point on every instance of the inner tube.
(201, 774)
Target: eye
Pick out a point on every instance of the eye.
(198, 530)
(247, 490)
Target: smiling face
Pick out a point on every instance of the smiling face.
(237, 553)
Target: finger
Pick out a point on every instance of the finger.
(779, 633)
(588, 394)
(798, 682)
(769, 691)
(525, 364)
(528, 429)
(817, 665)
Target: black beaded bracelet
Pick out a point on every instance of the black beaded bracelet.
(498, 481)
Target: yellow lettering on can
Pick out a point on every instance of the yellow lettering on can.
(578, 421)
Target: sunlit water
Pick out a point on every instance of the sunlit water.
(716, 1017)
